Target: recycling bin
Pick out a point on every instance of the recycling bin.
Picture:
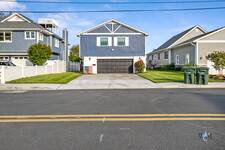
(202, 75)
(189, 75)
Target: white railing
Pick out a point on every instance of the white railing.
(8, 73)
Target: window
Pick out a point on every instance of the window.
(152, 57)
(187, 59)
(29, 35)
(158, 56)
(104, 41)
(121, 41)
(41, 36)
(177, 59)
(5, 36)
(166, 55)
(56, 42)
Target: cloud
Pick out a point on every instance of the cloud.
(5, 6)
(74, 23)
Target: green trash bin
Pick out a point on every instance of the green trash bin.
(189, 75)
(202, 75)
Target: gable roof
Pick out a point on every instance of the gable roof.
(194, 39)
(112, 20)
(26, 24)
(176, 37)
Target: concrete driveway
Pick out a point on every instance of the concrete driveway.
(109, 81)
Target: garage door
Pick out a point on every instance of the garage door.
(115, 65)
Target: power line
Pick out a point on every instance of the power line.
(116, 11)
(122, 2)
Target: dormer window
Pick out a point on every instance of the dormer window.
(29, 35)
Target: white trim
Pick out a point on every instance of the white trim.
(169, 58)
(13, 16)
(196, 53)
(117, 28)
(13, 54)
(112, 20)
(212, 41)
(186, 34)
(209, 34)
(30, 38)
(107, 28)
(4, 37)
(111, 33)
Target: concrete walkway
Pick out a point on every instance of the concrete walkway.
(107, 81)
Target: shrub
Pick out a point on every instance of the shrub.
(218, 58)
(139, 66)
(74, 58)
(39, 54)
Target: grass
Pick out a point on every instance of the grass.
(57, 78)
(158, 76)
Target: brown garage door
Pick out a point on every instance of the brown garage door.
(115, 65)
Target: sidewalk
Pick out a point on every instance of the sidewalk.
(116, 85)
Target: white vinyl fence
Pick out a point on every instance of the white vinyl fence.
(73, 66)
(8, 73)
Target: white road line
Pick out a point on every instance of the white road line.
(101, 137)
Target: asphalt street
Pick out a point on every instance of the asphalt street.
(113, 135)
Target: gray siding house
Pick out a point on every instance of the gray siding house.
(18, 33)
(112, 47)
(189, 47)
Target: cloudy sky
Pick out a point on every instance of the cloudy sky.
(159, 25)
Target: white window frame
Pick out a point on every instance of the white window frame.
(116, 41)
(41, 36)
(177, 59)
(56, 42)
(158, 56)
(98, 41)
(187, 58)
(4, 40)
(29, 38)
(165, 55)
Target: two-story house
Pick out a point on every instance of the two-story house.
(18, 33)
(189, 47)
(112, 47)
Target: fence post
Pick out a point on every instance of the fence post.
(57, 66)
(22, 70)
(35, 69)
(45, 69)
(2, 75)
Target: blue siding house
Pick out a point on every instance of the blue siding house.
(112, 47)
(18, 33)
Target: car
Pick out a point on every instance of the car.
(6, 63)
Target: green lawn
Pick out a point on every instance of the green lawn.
(57, 78)
(158, 76)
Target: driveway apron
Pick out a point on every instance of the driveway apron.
(109, 81)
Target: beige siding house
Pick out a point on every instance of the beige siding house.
(189, 47)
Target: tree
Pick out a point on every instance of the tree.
(218, 58)
(74, 58)
(39, 54)
(74, 54)
(75, 49)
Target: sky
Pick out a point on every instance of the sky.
(159, 25)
